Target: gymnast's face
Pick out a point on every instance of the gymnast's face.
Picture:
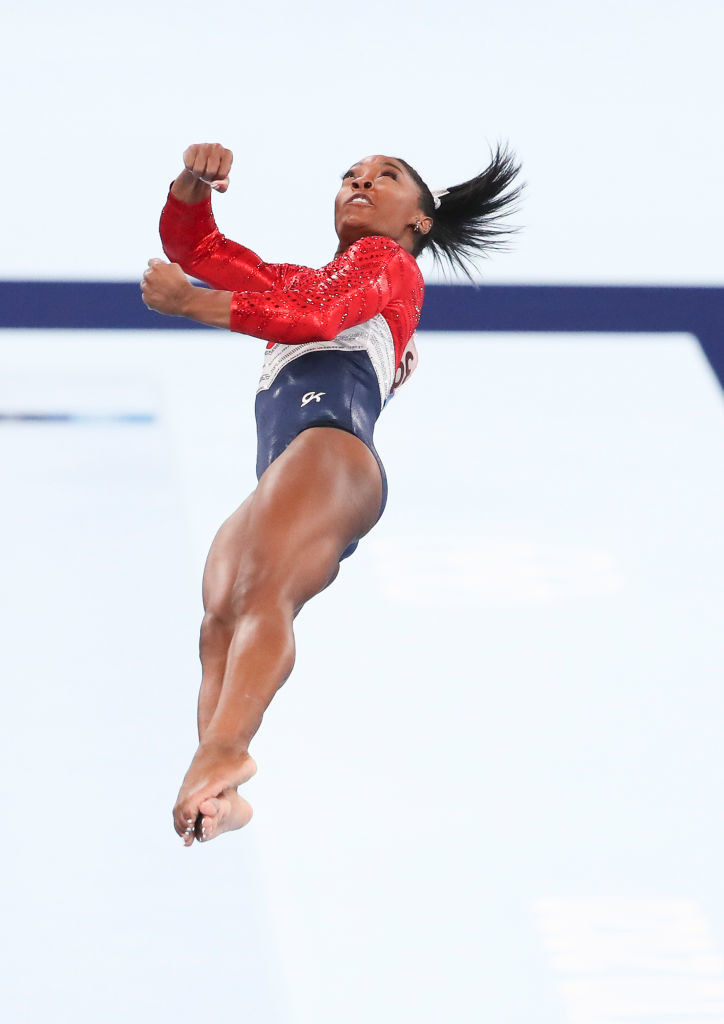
(378, 197)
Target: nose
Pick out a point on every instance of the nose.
(361, 183)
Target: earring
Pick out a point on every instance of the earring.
(417, 226)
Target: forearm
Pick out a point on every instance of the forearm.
(206, 306)
(272, 316)
(191, 238)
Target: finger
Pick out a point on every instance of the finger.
(221, 181)
(155, 260)
(189, 157)
(199, 167)
(213, 159)
(225, 163)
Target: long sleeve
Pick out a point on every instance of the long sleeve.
(371, 276)
(191, 238)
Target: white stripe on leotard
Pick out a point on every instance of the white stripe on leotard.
(373, 337)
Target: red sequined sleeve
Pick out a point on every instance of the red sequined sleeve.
(317, 304)
(191, 238)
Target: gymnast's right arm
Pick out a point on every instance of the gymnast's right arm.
(189, 233)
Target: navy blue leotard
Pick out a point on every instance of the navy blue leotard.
(319, 389)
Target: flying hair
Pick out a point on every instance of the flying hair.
(468, 220)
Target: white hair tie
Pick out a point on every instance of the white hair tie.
(436, 196)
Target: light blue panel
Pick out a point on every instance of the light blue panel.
(504, 717)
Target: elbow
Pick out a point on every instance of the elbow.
(320, 321)
(173, 253)
(304, 331)
(326, 331)
(178, 256)
(170, 239)
(176, 247)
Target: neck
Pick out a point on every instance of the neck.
(350, 239)
(344, 243)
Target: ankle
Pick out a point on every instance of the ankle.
(232, 727)
(224, 746)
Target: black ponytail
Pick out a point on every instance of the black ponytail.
(468, 221)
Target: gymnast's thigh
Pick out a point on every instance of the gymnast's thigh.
(319, 496)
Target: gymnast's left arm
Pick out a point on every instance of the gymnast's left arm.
(318, 305)
(318, 308)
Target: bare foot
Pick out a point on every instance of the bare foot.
(222, 813)
(213, 772)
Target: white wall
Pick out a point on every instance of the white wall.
(612, 108)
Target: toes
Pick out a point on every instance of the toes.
(210, 807)
(184, 821)
(186, 811)
(183, 815)
(208, 817)
(189, 832)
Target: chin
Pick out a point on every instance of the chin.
(361, 219)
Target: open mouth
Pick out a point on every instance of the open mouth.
(360, 200)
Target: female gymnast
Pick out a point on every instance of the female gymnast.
(340, 341)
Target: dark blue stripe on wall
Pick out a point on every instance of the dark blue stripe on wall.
(560, 308)
(98, 305)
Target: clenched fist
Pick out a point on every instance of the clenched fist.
(209, 162)
(166, 288)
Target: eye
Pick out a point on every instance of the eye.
(392, 174)
(347, 174)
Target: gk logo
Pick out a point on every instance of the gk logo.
(313, 396)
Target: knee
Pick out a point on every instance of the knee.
(284, 583)
(260, 590)
(254, 583)
(217, 597)
(228, 595)
(216, 628)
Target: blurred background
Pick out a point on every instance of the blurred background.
(491, 789)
